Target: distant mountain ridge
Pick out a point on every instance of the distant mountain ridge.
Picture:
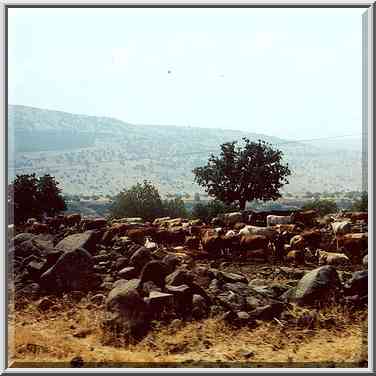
(91, 154)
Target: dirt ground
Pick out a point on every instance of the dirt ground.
(337, 337)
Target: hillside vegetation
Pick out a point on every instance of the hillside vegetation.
(100, 155)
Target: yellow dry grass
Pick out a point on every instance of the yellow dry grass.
(48, 338)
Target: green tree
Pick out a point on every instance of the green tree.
(175, 208)
(241, 174)
(24, 197)
(50, 200)
(31, 197)
(141, 200)
(361, 204)
(322, 207)
(210, 210)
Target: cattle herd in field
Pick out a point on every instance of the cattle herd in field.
(137, 269)
(295, 237)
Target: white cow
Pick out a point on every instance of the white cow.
(341, 228)
(332, 258)
(10, 232)
(272, 220)
(255, 230)
(150, 244)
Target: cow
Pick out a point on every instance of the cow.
(160, 221)
(55, 223)
(312, 238)
(341, 228)
(39, 228)
(138, 235)
(149, 244)
(137, 220)
(211, 242)
(354, 246)
(31, 221)
(10, 232)
(332, 258)
(359, 216)
(305, 218)
(297, 242)
(93, 224)
(192, 242)
(272, 220)
(252, 243)
(229, 219)
(296, 257)
(269, 232)
(116, 230)
(71, 220)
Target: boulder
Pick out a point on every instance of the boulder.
(179, 277)
(358, 284)
(140, 258)
(20, 238)
(159, 302)
(127, 312)
(128, 273)
(171, 261)
(72, 271)
(318, 286)
(365, 261)
(155, 271)
(200, 308)
(182, 298)
(87, 240)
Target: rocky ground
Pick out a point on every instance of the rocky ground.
(78, 303)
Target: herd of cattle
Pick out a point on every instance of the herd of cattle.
(294, 237)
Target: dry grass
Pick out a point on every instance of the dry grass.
(334, 335)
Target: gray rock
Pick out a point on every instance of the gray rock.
(179, 277)
(183, 297)
(200, 308)
(318, 286)
(127, 312)
(358, 284)
(365, 261)
(140, 258)
(159, 302)
(171, 261)
(128, 273)
(72, 271)
(87, 240)
(155, 271)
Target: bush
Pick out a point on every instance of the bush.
(174, 208)
(361, 204)
(141, 200)
(206, 212)
(33, 197)
(323, 207)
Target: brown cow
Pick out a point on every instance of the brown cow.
(296, 257)
(359, 216)
(304, 217)
(39, 228)
(118, 229)
(93, 224)
(312, 238)
(253, 242)
(211, 242)
(355, 246)
(71, 220)
(138, 235)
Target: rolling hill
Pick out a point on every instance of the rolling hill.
(101, 155)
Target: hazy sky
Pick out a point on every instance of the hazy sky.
(292, 73)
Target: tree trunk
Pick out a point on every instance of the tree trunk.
(242, 203)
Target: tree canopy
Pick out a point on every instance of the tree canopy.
(34, 197)
(322, 207)
(143, 200)
(361, 204)
(240, 174)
